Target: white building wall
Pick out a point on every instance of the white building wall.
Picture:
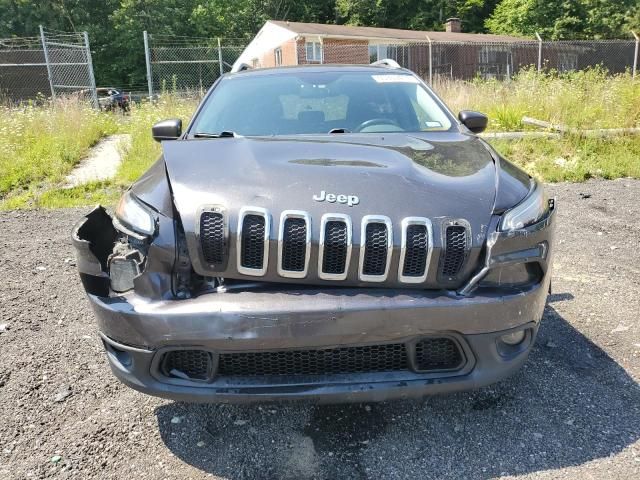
(269, 37)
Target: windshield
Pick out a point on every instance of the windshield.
(290, 103)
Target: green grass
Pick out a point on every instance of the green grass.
(92, 193)
(575, 159)
(589, 99)
(39, 145)
(144, 150)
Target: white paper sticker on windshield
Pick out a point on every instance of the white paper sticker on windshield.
(395, 78)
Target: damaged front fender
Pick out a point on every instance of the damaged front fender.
(113, 260)
(93, 238)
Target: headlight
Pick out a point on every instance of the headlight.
(530, 210)
(132, 214)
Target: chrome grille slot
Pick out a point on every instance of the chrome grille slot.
(415, 252)
(457, 241)
(254, 228)
(376, 247)
(213, 237)
(294, 244)
(335, 247)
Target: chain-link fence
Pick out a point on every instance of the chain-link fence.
(53, 64)
(187, 65)
(469, 60)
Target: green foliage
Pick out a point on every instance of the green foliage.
(566, 19)
(575, 159)
(42, 144)
(586, 99)
(143, 150)
(115, 26)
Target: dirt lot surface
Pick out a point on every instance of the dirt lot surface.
(572, 412)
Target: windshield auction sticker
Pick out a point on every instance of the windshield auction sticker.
(395, 78)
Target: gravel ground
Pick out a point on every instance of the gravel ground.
(572, 411)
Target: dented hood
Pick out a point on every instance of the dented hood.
(440, 176)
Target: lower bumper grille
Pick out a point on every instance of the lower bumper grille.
(188, 364)
(430, 354)
(440, 353)
(373, 358)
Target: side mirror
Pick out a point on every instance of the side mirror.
(167, 130)
(474, 121)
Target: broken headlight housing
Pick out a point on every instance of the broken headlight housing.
(132, 214)
(531, 210)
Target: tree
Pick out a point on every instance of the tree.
(565, 19)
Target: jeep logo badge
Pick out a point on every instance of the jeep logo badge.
(350, 200)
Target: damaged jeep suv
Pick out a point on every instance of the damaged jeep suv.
(325, 232)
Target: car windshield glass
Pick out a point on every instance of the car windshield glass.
(291, 103)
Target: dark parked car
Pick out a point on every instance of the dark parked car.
(111, 99)
(324, 232)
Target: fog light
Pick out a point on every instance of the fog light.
(513, 338)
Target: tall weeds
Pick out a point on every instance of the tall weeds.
(43, 142)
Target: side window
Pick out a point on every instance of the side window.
(278, 56)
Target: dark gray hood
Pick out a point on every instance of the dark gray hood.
(441, 176)
(396, 175)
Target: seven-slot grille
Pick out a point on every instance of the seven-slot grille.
(335, 245)
(212, 237)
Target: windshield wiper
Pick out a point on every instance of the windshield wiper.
(340, 130)
(223, 134)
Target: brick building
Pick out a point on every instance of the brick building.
(453, 52)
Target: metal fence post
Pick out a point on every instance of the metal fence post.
(635, 55)
(92, 78)
(430, 62)
(46, 60)
(539, 52)
(147, 57)
(220, 58)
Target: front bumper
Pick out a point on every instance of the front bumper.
(307, 319)
(137, 328)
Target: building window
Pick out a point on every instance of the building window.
(278, 56)
(314, 51)
(378, 52)
(255, 63)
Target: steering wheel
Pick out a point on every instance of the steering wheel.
(375, 121)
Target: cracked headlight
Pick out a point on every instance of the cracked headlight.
(134, 215)
(531, 210)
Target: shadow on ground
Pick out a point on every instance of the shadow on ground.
(571, 403)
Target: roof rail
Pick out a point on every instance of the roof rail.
(240, 67)
(386, 62)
